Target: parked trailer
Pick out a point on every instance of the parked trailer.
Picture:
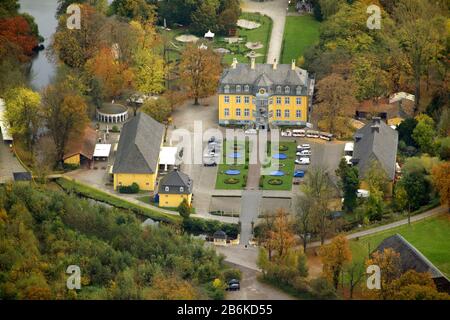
(326, 136)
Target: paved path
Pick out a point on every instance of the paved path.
(276, 10)
(427, 214)
(8, 162)
(250, 205)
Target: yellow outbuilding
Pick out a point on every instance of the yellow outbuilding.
(137, 157)
(174, 188)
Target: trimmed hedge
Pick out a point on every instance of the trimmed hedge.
(134, 188)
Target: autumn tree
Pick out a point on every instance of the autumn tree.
(65, 115)
(23, 114)
(319, 189)
(115, 77)
(159, 109)
(200, 71)
(149, 72)
(413, 285)
(421, 33)
(335, 104)
(75, 47)
(134, 9)
(17, 31)
(171, 288)
(280, 237)
(441, 181)
(334, 256)
(304, 207)
(389, 262)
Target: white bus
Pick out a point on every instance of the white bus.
(326, 136)
(312, 134)
(298, 133)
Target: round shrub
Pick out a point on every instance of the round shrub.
(231, 181)
(275, 182)
(283, 147)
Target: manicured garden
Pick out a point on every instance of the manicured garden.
(281, 177)
(233, 176)
(300, 33)
(430, 236)
(261, 34)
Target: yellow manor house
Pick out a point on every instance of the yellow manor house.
(263, 95)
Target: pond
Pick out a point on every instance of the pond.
(43, 11)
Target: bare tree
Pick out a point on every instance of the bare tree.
(304, 207)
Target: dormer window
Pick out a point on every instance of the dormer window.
(278, 89)
(238, 88)
(287, 89)
(226, 89)
(298, 90)
(181, 189)
(167, 189)
(246, 88)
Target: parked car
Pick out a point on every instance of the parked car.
(304, 152)
(299, 173)
(233, 285)
(305, 146)
(286, 133)
(361, 193)
(302, 160)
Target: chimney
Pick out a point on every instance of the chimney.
(252, 63)
(274, 64)
(293, 64)
(234, 63)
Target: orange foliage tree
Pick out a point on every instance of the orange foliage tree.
(17, 31)
(441, 181)
(114, 76)
(334, 256)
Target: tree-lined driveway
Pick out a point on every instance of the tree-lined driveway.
(276, 10)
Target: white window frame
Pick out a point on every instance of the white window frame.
(287, 113)
(238, 112)
(238, 99)
(246, 99)
(287, 90)
(278, 113)
(246, 112)
(226, 112)
(226, 89)
(246, 88)
(278, 100)
(298, 101)
(287, 100)
(226, 99)
(298, 113)
(238, 88)
(167, 189)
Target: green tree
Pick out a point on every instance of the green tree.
(134, 9)
(184, 209)
(424, 133)
(205, 17)
(418, 189)
(23, 114)
(349, 182)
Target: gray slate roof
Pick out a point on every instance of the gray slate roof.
(410, 257)
(174, 180)
(376, 141)
(265, 75)
(139, 146)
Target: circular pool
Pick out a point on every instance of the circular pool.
(280, 156)
(232, 172)
(235, 155)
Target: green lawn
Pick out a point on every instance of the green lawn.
(300, 32)
(286, 165)
(430, 236)
(261, 34)
(241, 179)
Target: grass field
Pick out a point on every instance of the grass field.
(300, 33)
(222, 177)
(287, 166)
(430, 236)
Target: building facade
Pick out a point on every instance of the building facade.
(174, 188)
(137, 158)
(263, 95)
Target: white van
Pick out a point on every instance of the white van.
(298, 133)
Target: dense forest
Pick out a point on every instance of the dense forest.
(42, 232)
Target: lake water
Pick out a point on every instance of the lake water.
(43, 11)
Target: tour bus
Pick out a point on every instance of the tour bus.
(326, 136)
(298, 133)
(312, 134)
